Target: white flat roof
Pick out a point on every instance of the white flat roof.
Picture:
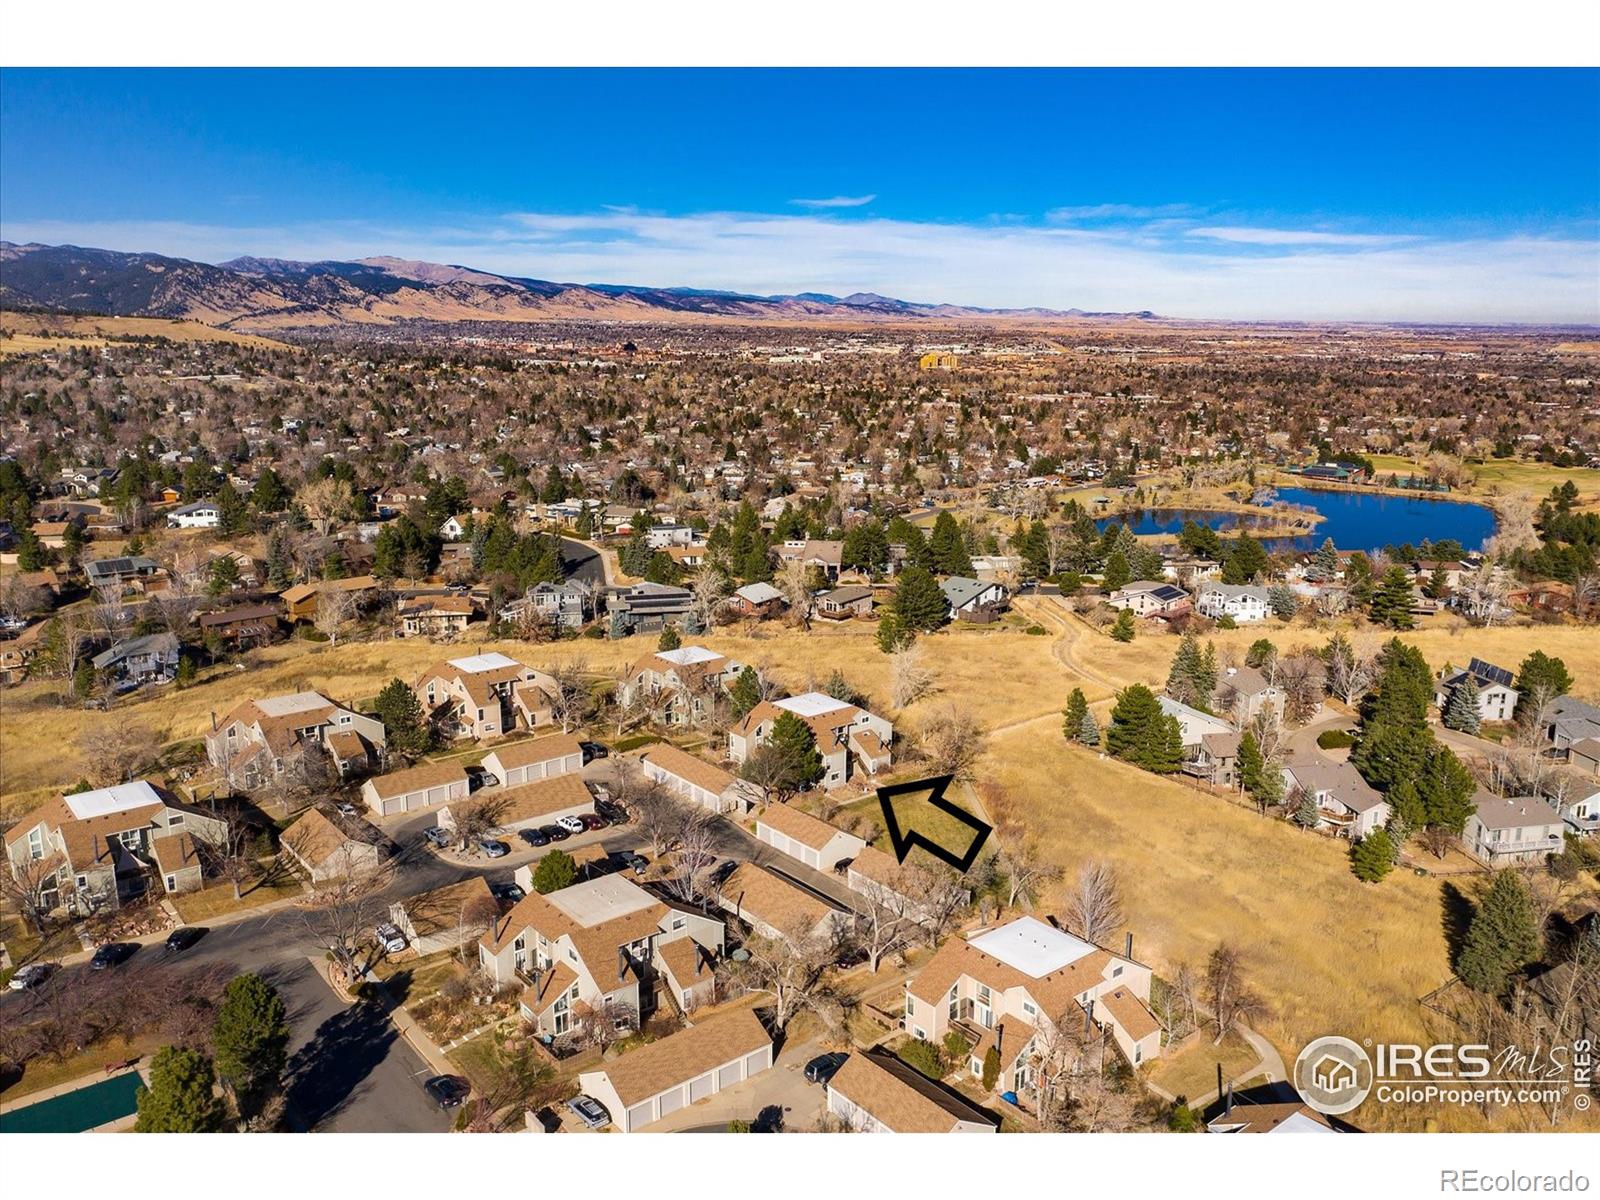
(810, 704)
(112, 799)
(478, 663)
(602, 899)
(1031, 946)
(688, 656)
(282, 706)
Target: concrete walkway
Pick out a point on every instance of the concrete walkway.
(1269, 1066)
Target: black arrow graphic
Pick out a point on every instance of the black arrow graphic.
(901, 841)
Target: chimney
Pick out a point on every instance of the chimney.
(1229, 1109)
(1219, 1079)
(213, 720)
(999, 1037)
(1127, 947)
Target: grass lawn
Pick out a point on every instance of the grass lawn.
(912, 812)
(217, 900)
(1192, 1072)
(426, 975)
(42, 1073)
(1506, 475)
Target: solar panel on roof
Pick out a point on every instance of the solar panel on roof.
(1488, 671)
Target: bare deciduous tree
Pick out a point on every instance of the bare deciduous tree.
(709, 589)
(1094, 906)
(1229, 996)
(952, 742)
(325, 502)
(342, 909)
(568, 693)
(118, 751)
(793, 968)
(335, 606)
(909, 677)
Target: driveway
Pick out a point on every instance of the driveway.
(350, 1071)
(782, 1087)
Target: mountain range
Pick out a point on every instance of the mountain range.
(265, 295)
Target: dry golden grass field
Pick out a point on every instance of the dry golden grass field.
(28, 333)
(1504, 475)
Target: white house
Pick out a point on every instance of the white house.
(1512, 829)
(1345, 801)
(1241, 601)
(1146, 597)
(1497, 699)
(202, 514)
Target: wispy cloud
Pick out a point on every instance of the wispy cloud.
(837, 201)
(1125, 212)
(1254, 236)
(1167, 265)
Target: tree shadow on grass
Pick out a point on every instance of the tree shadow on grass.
(1456, 918)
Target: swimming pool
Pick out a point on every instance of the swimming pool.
(78, 1110)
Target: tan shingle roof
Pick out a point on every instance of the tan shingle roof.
(686, 766)
(759, 894)
(534, 750)
(540, 798)
(1052, 992)
(415, 779)
(685, 1055)
(899, 1097)
(1130, 1013)
(801, 826)
(314, 839)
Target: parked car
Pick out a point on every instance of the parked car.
(824, 1066)
(435, 836)
(31, 976)
(534, 837)
(390, 938)
(637, 863)
(493, 847)
(590, 1111)
(720, 872)
(448, 1091)
(572, 824)
(348, 811)
(478, 777)
(509, 892)
(592, 821)
(612, 811)
(182, 938)
(554, 832)
(113, 954)
(592, 751)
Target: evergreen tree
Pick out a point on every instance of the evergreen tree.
(1140, 733)
(186, 671)
(991, 1068)
(269, 495)
(1244, 560)
(1270, 786)
(1540, 679)
(949, 550)
(1461, 706)
(1182, 674)
(1324, 563)
(180, 1098)
(30, 550)
(1373, 856)
(918, 601)
(223, 576)
(745, 693)
(1391, 600)
(1358, 579)
(1088, 730)
(1503, 937)
(1305, 814)
(1123, 628)
(280, 560)
(403, 720)
(669, 639)
(1446, 788)
(1117, 572)
(1249, 764)
(1261, 652)
(792, 739)
(556, 870)
(1072, 717)
(83, 679)
(1282, 602)
(251, 1040)
(892, 635)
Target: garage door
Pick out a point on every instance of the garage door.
(755, 1062)
(728, 1076)
(671, 1101)
(700, 1088)
(639, 1114)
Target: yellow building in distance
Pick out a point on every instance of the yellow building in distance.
(934, 360)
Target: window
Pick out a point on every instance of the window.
(1029, 1009)
(174, 819)
(172, 883)
(36, 842)
(131, 837)
(1115, 971)
(678, 922)
(688, 998)
(983, 993)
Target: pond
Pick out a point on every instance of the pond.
(1354, 520)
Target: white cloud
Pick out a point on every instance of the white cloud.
(1104, 212)
(837, 201)
(1156, 266)
(1254, 236)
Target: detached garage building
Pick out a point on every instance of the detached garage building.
(537, 758)
(655, 1081)
(414, 789)
(804, 838)
(530, 805)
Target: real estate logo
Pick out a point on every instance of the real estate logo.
(1333, 1075)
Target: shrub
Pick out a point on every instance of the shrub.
(1336, 739)
(923, 1057)
(1036, 631)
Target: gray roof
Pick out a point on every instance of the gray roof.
(1338, 779)
(961, 591)
(1513, 812)
(759, 593)
(125, 565)
(1231, 590)
(1247, 681)
(155, 643)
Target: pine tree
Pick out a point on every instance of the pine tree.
(1282, 602)
(251, 1039)
(1117, 572)
(892, 635)
(991, 1068)
(745, 693)
(1305, 814)
(186, 671)
(1373, 856)
(792, 740)
(1540, 679)
(669, 639)
(1461, 706)
(918, 601)
(1088, 730)
(1122, 630)
(1249, 763)
(83, 679)
(180, 1098)
(1325, 562)
(400, 711)
(556, 870)
(1077, 709)
(949, 550)
(1244, 560)
(1140, 733)
(1391, 601)
(1181, 676)
(1503, 937)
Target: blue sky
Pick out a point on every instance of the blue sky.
(1407, 195)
